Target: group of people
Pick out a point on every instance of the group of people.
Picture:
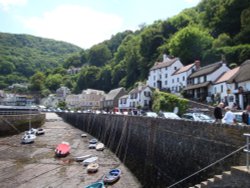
(229, 117)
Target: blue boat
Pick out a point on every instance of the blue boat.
(99, 184)
(112, 176)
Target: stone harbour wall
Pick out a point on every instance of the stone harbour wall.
(162, 151)
(13, 124)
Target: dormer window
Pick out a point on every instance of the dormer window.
(166, 68)
(175, 68)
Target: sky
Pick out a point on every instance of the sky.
(84, 22)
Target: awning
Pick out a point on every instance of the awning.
(196, 86)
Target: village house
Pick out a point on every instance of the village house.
(73, 70)
(179, 77)
(140, 97)
(73, 101)
(160, 75)
(91, 99)
(124, 103)
(242, 85)
(62, 92)
(222, 88)
(111, 99)
(199, 83)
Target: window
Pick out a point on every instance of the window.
(221, 88)
(173, 88)
(175, 68)
(166, 75)
(183, 78)
(173, 81)
(166, 82)
(215, 90)
(166, 68)
(154, 84)
(121, 101)
(160, 76)
(177, 79)
(154, 77)
(198, 80)
(205, 78)
(145, 102)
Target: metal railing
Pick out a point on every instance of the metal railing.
(247, 149)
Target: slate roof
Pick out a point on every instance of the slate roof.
(137, 90)
(113, 93)
(206, 70)
(205, 84)
(227, 76)
(184, 69)
(244, 72)
(167, 63)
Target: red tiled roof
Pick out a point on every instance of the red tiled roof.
(227, 75)
(184, 69)
(167, 63)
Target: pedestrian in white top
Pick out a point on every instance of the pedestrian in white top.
(229, 117)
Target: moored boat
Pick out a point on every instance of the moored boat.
(99, 147)
(99, 184)
(92, 146)
(62, 150)
(82, 158)
(93, 141)
(40, 131)
(112, 176)
(28, 139)
(89, 160)
(92, 167)
(84, 135)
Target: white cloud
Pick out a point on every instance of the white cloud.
(79, 25)
(192, 1)
(6, 4)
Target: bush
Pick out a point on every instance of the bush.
(167, 102)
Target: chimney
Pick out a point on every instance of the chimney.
(165, 57)
(197, 64)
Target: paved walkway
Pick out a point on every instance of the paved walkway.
(34, 165)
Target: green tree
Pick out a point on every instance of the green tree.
(99, 55)
(190, 43)
(53, 82)
(37, 82)
(6, 67)
(222, 40)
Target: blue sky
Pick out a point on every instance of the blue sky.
(83, 22)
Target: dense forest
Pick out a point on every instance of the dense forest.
(212, 30)
(21, 56)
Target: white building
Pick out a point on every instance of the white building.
(199, 82)
(160, 75)
(179, 78)
(223, 87)
(140, 97)
(50, 102)
(123, 103)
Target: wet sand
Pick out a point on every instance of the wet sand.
(34, 165)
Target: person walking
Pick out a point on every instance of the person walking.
(218, 112)
(229, 117)
(246, 115)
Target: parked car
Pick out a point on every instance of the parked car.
(150, 114)
(238, 118)
(197, 117)
(169, 115)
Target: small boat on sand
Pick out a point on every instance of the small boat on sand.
(82, 158)
(93, 141)
(112, 176)
(28, 138)
(83, 135)
(92, 146)
(99, 184)
(89, 160)
(92, 167)
(99, 147)
(40, 131)
(62, 150)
